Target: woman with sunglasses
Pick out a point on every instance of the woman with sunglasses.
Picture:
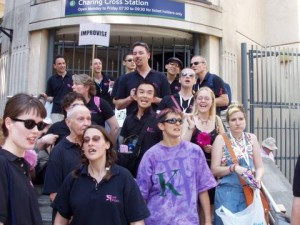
(22, 124)
(100, 192)
(173, 176)
(246, 151)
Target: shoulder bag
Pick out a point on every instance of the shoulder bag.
(248, 191)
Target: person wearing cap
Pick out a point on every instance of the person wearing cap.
(125, 93)
(184, 99)
(173, 67)
(267, 147)
(207, 79)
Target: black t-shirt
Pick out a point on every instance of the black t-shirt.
(133, 126)
(58, 87)
(175, 86)
(102, 89)
(117, 201)
(185, 105)
(60, 128)
(296, 183)
(133, 79)
(100, 114)
(17, 189)
(64, 157)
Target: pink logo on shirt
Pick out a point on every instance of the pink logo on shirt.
(150, 130)
(111, 198)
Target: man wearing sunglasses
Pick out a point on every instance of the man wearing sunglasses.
(207, 79)
(126, 91)
(173, 67)
(184, 99)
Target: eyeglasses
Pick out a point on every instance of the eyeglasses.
(30, 124)
(173, 121)
(173, 64)
(187, 75)
(128, 60)
(195, 63)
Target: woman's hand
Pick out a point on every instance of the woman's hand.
(239, 169)
(207, 148)
(191, 122)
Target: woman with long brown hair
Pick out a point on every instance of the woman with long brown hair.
(100, 190)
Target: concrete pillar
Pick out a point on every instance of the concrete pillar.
(210, 49)
(38, 62)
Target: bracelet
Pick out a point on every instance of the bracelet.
(230, 168)
(233, 170)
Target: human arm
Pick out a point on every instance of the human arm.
(52, 196)
(222, 100)
(60, 220)
(140, 222)
(217, 168)
(295, 217)
(114, 128)
(188, 127)
(205, 204)
(46, 140)
(125, 102)
(258, 163)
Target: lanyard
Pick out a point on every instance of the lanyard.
(245, 155)
(181, 103)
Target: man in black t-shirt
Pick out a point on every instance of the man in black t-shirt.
(206, 79)
(126, 91)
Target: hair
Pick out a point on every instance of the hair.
(1, 133)
(57, 57)
(143, 44)
(75, 109)
(148, 83)
(86, 80)
(69, 99)
(21, 104)
(203, 59)
(92, 61)
(212, 110)
(233, 108)
(111, 155)
(162, 115)
(125, 55)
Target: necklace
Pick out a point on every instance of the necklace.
(203, 121)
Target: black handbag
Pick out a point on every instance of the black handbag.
(129, 159)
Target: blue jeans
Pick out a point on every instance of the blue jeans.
(231, 197)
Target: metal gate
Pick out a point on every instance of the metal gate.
(274, 99)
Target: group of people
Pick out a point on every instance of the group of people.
(183, 170)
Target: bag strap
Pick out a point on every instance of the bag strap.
(11, 194)
(142, 132)
(232, 154)
(97, 102)
(175, 102)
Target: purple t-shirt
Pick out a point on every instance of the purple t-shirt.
(170, 179)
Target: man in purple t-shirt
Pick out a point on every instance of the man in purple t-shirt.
(173, 176)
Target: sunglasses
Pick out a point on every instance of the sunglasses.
(128, 60)
(30, 124)
(173, 121)
(195, 63)
(187, 75)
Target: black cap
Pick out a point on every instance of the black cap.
(175, 59)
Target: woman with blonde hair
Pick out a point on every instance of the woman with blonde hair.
(100, 109)
(202, 127)
(235, 156)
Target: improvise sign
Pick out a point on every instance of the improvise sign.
(94, 34)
